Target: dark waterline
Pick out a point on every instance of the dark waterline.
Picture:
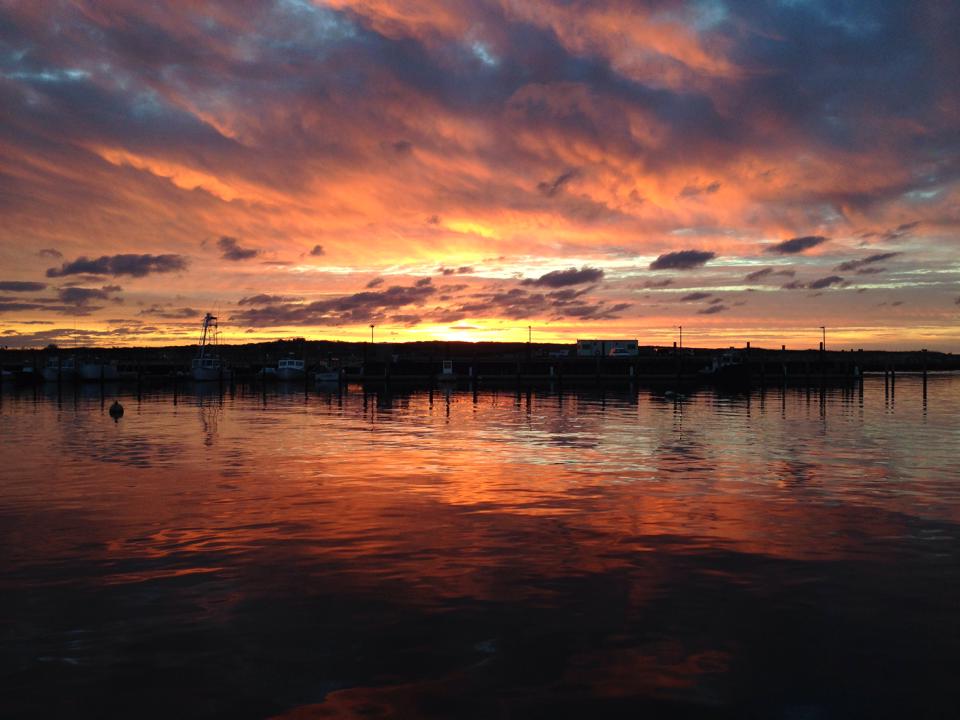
(631, 554)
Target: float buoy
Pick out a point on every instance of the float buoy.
(116, 410)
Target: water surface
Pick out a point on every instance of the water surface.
(785, 554)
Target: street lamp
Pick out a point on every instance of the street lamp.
(823, 346)
(681, 338)
(529, 334)
(371, 334)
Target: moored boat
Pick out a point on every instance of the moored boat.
(60, 369)
(728, 367)
(446, 372)
(323, 373)
(208, 366)
(290, 368)
(95, 371)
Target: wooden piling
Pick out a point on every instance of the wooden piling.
(923, 355)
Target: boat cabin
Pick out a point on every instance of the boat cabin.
(607, 348)
(290, 364)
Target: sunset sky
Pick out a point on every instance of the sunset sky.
(464, 170)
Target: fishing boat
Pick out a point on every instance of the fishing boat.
(290, 368)
(207, 366)
(728, 367)
(94, 371)
(60, 369)
(326, 374)
(446, 372)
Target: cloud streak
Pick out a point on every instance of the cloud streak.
(796, 245)
(123, 264)
(682, 260)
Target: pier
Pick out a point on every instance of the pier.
(490, 364)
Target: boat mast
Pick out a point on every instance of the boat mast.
(207, 322)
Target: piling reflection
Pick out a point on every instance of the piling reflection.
(474, 553)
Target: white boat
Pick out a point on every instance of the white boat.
(290, 369)
(207, 366)
(96, 371)
(60, 369)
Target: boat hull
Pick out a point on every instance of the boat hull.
(208, 374)
(94, 372)
(52, 374)
(289, 374)
(331, 376)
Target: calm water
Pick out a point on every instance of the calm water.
(500, 555)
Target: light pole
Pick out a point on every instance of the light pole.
(823, 329)
(371, 334)
(681, 338)
(529, 334)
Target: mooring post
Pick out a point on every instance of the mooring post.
(923, 355)
(823, 363)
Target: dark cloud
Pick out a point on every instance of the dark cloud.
(796, 245)
(521, 304)
(362, 307)
(657, 284)
(682, 260)
(265, 299)
(695, 296)
(825, 282)
(560, 297)
(230, 249)
(126, 264)
(713, 309)
(758, 275)
(462, 270)
(170, 313)
(376, 282)
(860, 265)
(317, 251)
(563, 278)
(83, 296)
(423, 282)
(694, 190)
(550, 189)
(21, 286)
(900, 231)
(50, 253)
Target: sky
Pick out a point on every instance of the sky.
(480, 169)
